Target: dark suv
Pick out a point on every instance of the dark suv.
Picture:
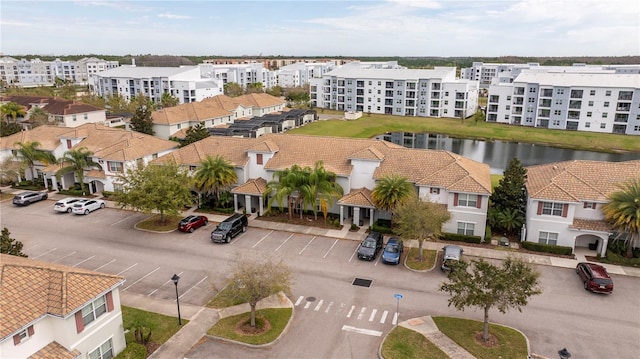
(229, 228)
(370, 247)
(595, 277)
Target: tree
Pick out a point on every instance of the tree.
(275, 91)
(623, 211)
(168, 101)
(233, 89)
(285, 186)
(195, 134)
(252, 280)
(139, 101)
(420, 219)
(67, 91)
(9, 245)
(93, 100)
(486, 286)
(319, 184)
(479, 116)
(255, 87)
(13, 110)
(142, 121)
(116, 103)
(38, 117)
(76, 161)
(214, 175)
(10, 171)
(29, 154)
(8, 128)
(507, 197)
(391, 192)
(164, 189)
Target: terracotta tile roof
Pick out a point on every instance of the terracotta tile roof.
(46, 135)
(265, 146)
(591, 225)
(369, 153)
(194, 111)
(578, 180)
(54, 105)
(30, 289)
(260, 100)
(54, 350)
(224, 102)
(255, 186)
(95, 174)
(233, 149)
(360, 197)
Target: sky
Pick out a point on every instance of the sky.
(444, 28)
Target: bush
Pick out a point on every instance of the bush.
(381, 229)
(224, 210)
(460, 238)
(538, 247)
(354, 227)
(615, 258)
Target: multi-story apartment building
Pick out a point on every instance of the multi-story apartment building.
(396, 91)
(35, 72)
(242, 74)
(186, 83)
(597, 102)
(272, 63)
(301, 73)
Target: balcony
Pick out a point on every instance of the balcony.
(623, 107)
(547, 93)
(576, 93)
(388, 85)
(494, 99)
(575, 104)
(621, 117)
(625, 96)
(492, 108)
(388, 93)
(518, 91)
(435, 86)
(518, 101)
(435, 94)
(460, 95)
(573, 115)
(517, 111)
(545, 103)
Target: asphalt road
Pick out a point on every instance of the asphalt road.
(333, 318)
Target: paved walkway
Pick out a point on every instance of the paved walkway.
(427, 327)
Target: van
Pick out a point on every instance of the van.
(450, 254)
(229, 228)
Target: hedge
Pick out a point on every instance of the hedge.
(539, 247)
(460, 238)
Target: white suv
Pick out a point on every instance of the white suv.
(66, 204)
(85, 207)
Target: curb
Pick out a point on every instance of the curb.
(435, 263)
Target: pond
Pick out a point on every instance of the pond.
(497, 154)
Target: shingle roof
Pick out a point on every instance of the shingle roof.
(360, 197)
(260, 100)
(255, 186)
(591, 225)
(30, 289)
(578, 180)
(54, 105)
(54, 350)
(48, 136)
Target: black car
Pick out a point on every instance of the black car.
(229, 228)
(370, 247)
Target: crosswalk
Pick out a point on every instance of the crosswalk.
(353, 312)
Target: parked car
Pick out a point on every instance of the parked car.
(392, 251)
(88, 206)
(66, 204)
(450, 255)
(595, 277)
(26, 198)
(370, 246)
(191, 223)
(229, 228)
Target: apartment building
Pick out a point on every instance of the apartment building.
(35, 72)
(300, 73)
(242, 74)
(396, 91)
(596, 102)
(270, 62)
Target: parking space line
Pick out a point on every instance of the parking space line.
(384, 316)
(63, 257)
(378, 260)
(340, 309)
(106, 264)
(306, 306)
(361, 312)
(45, 253)
(305, 247)
(127, 269)
(193, 286)
(79, 263)
(351, 311)
(285, 241)
(163, 284)
(395, 319)
(262, 239)
(373, 315)
(145, 276)
(319, 305)
(333, 245)
(354, 253)
(328, 307)
(122, 220)
(300, 298)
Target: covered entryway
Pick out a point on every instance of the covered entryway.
(359, 204)
(250, 196)
(592, 236)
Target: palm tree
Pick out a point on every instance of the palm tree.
(215, 175)
(623, 211)
(38, 117)
(29, 154)
(285, 186)
(76, 161)
(13, 110)
(392, 191)
(320, 184)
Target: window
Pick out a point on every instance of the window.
(259, 158)
(589, 205)
(466, 200)
(603, 125)
(552, 209)
(466, 228)
(86, 116)
(94, 310)
(104, 351)
(532, 90)
(434, 190)
(592, 92)
(557, 112)
(558, 102)
(178, 126)
(605, 115)
(590, 103)
(606, 104)
(589, 114)
(73, 117)
(115, 166)
(549, 238)
(607, 93)
(23, 335)
(531, 100)
(560, 91)
(556, 122)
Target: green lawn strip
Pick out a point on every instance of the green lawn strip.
(277, 317)
(223, 299)
(153, 223)
(162, 328)
(428, 259)
(512, 343)
(403, 343)
(495, 180)
(373, 125)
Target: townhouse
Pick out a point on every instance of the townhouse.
(594, 102)
(565, 199)
(50, 310)
(396, 91)
(461, 184)
(35, 72)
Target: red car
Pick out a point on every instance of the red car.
(595, 277)
(191, 223)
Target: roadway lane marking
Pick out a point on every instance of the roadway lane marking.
(353, 254)
(361, 312)
(261, 239)
(384, 316)
(305, 247)
(395, 319)
(63, 257)
(300, 298)
(285, 241)
(193, 286)
(328, 307)
(319, 305)
(104, 265)
(45, 253)
(334, 243)
(306, 306)
(127, 269)
(145, 276)
(373, 315)
(374, 333)
(77, 264)
(163, 284)
(351, 311)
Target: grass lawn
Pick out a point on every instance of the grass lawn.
(153, 223)
(512, 343)
(495, 180)
(277, 318)
(428, 259)
(223, 300)
(372, 125)
(403, 343)
(162, 328)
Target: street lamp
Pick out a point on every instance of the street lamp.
(398, 297)
(564, 353)
(175, 280)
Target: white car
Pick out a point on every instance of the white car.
(88, 206)
(66, 204)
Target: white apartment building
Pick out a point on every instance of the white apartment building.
(35, 72)
(396, 91)
(596, 102)
(186, 83)
(242, 74)
(301, 73)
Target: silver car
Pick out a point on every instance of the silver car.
(88, 206)
(66, 204)
(26, 198)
